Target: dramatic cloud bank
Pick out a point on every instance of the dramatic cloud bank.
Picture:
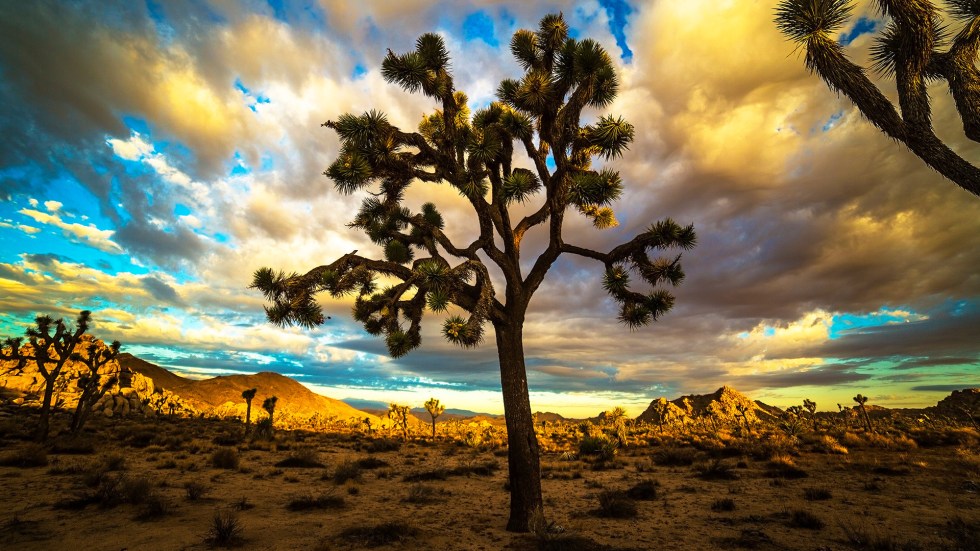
(155, 154)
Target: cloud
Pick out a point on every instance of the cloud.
(86, 234)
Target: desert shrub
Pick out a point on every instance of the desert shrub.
(427, 476)
(381, 445)
(369, 463)
(748, 538)
(716, 469)
(225, 458)
(195, 490)
(348, 470)
(27, 456)
(829, 444)
(960, 535)
(136, 490)
(323, 501)
(140, 438)
(302, 459)
(227, 439)
(393, 531)
(816, 494)
(167, 464)
(646, 490)
(114, 462)
(805, 519)
(243, 504)
(770, 445)
(419, 493)
(154, 506)
(615, 504)
(226, 530)
(675, 457)
(264, 430)
(601, 447)
(870, 538)
(782, 466)
(724, 504)
(72, 445)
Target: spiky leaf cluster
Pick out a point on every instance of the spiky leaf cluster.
(638, 309)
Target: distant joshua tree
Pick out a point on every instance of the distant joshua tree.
(248, 395)
(435, 409)
(269, 405)
(399, 414)
(92, 391)
(908, 49)
(811, 407)
(861, 400)
(49, 352)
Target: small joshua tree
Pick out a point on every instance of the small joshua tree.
(248, 395)
(269, 405)
(435, 409)
(399, 414)
(811, 407)
(91, 384)
(49, 352)
(861, 400)
(743, 412)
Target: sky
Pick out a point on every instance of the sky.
(155, 154)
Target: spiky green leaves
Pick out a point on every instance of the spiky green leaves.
(424, 69)
(805, 20)
(637, 309)
(466, 333)
(520, 185)
(595, 188)
(609, 136)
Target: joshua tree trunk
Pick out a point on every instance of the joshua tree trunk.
(523, 457)
(248, 415)
(867, 419)
(43, 424)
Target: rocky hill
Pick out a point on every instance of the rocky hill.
(222, 396)
(723, 403)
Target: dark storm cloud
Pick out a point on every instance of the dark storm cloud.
(160, 290)
(165, 248)
(945, 388)
(830, 375)
(916, 363)
(943, 332)
(47, 259)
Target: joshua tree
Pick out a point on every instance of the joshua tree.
(743, 412)
(539, 114)
(861, 400)
(399, 415)
(269, 405)
(96, 357)
(247, 395)
(811, 407)
(49, 352)
(908, 49)
(435, 409)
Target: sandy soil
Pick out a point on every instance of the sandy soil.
(906, 499)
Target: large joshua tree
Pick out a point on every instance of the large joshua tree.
(539, 114)
(913, 50)
(49, 352)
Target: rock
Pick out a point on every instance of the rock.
(108, 413)
(129, 393)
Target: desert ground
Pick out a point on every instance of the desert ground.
(191, 483)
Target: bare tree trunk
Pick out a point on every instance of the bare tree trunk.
(523, 454)
(248, 415)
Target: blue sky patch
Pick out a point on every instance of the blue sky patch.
(479, 26)
(618, 12)
(861, 26)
